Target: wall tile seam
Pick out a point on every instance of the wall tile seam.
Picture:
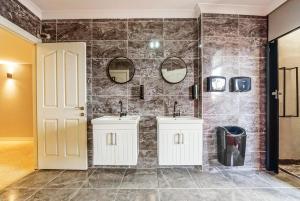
(179, 96)
(129, 20)
(169, 40)
(249, 153)
(149, 150)
(239, 112)
(244, 114)
(235, 18)
(218, 15)
(236, 37)
(141, 58)
(225, 56)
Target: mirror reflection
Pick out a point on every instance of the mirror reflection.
(173, 70)
(121, 70)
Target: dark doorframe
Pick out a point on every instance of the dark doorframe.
(272, 138)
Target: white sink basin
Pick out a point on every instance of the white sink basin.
(180, 119)
(116, 120)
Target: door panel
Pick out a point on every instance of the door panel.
(61, 96)
(126, 147)
(104, 148)
(169, 147)
(71, 79)
(191, 148)
(72, 129)
(49, 68)
(51, 137)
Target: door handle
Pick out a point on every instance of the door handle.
(79, 108)
(82, 114)
(276, 94)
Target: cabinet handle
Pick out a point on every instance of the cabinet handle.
(182, 138)
(177, 138)
(109, 139)
(115, 139)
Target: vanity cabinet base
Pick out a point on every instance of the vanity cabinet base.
(179, 146)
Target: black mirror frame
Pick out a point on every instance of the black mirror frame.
(161, 65)
(108, 74)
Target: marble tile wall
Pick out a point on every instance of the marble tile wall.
(18, 14)
(108, 38)
(234, 45)
(231, 45)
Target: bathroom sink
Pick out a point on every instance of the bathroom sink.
(116, 120)
(179, 119)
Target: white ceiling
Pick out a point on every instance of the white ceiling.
(146, 8)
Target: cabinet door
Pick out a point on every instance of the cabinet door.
(104, 148)
(191, 148)
(169, 147)
(126, 147)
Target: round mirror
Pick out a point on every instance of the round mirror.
(120, 70)
(173, 70)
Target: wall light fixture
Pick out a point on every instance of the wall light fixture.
(9, 75)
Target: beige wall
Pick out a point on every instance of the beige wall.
(284, 19)
(16, 101)
(289, 136)
(17, 98)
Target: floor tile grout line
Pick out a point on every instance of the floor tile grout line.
(119, 187)
(157, 169)
(43, 186)
(202, 188)
(158, 192)
(83, 183)
(192, 178)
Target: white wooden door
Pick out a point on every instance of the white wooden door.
(104, 147)
(126, 147)
(61, 106)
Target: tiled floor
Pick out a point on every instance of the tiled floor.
(16, 161)
(292, 169)
(165, 184)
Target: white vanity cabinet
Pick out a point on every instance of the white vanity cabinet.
(180, 141)
(116, 142)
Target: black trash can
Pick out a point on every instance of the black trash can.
(231, 141)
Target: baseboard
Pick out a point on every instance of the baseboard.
(289, 161)
(16, 138)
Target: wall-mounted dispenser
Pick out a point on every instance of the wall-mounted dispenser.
(216, 84)
(9, 75)
(195, 90)
(142, 92)
(240, 84)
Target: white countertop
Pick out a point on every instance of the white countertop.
(116, 120)
(179, 119)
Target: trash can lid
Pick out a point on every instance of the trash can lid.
(234, 130)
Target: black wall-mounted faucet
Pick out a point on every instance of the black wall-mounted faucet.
(175, 114)
(121, 109)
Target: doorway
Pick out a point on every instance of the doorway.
(17, 147)
(283, 130)
(289, 120)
